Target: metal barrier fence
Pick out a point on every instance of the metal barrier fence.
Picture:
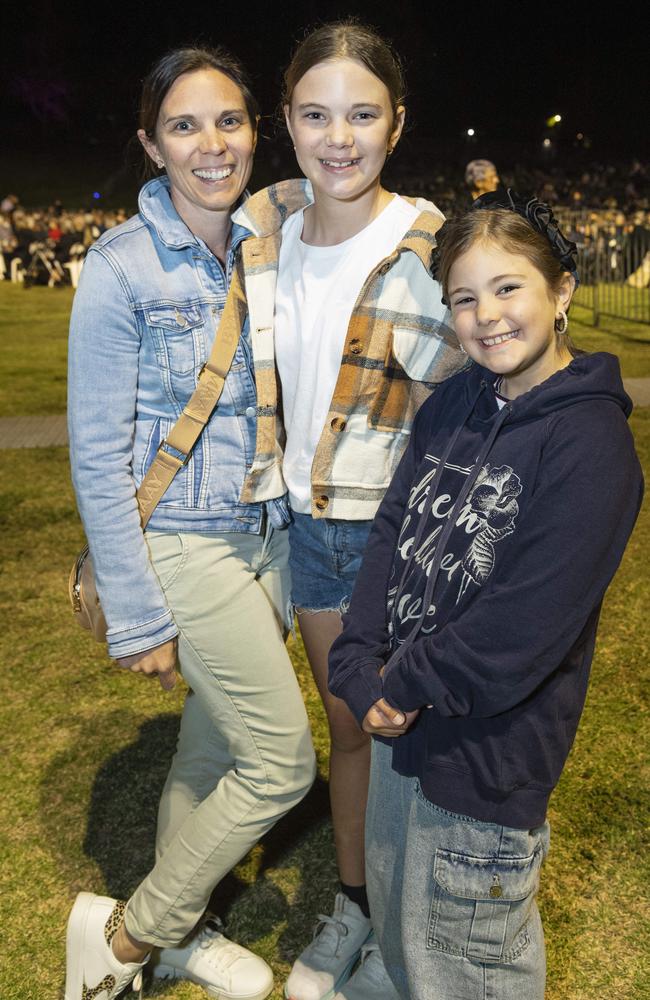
(613, 263)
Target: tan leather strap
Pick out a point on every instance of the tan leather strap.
(187, 429)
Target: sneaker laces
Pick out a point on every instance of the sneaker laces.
(329, 931)
(138, 984)
(227, 953)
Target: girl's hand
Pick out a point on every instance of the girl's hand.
(159, 661)
(384, 720)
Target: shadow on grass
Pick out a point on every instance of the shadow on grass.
(120, 830)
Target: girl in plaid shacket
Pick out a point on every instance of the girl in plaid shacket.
(342, 304)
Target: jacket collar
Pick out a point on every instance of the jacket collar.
(156, 208)
(265, 212)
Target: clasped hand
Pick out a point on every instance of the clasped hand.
(383, 720)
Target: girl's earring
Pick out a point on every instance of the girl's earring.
(461, 348)
(562, 322)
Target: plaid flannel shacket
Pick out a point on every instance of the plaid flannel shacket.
(398, 346)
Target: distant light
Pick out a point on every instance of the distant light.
(553, 120)
(470, 131)
(547, 143)
(580, 135)
(96, 195)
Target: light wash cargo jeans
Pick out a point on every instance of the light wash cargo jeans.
(244, 754)
(452, 899)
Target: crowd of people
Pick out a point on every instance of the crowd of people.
(604, 205)
(38, 245)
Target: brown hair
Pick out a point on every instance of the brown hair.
(510, 232)
(164, 73)
(348, 39)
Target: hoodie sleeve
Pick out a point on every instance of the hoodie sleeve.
(364, 645)
(524, 622)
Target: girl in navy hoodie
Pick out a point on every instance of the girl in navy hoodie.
(471, 630)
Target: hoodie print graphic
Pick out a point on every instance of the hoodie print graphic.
(493, 500)
(487, 516)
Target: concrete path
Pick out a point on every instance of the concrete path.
(639, 390)
(33, 432)
(51, 432)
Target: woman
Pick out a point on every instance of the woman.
(360, 335)
(212, 561)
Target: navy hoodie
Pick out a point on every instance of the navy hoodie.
(482, 582)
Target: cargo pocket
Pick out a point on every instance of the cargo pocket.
(481, 906)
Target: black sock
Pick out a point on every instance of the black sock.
(357, 894)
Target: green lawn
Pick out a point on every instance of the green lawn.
(86, 746)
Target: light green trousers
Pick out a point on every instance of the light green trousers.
(244, 755)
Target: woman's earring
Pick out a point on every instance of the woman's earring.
(160, 164)
(389, 151)
(562, 322)
(461, 348)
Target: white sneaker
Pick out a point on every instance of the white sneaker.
(92, 970)
(369, 979)
(224, 969)
(325, 964)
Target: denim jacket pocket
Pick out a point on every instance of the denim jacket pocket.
(481, 906)
(174, 329)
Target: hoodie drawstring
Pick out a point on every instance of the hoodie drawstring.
(502, 416)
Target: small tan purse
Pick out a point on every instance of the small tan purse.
(182, 438)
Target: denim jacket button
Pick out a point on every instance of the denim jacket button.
(338, 425)
(322, 502)
(250, 411)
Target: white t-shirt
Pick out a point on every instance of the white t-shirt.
(316, 291)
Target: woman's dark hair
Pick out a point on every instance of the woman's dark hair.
(164, 73)
(348, 39)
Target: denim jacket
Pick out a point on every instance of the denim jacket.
(143, 323)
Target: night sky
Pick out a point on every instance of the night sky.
(70, 74)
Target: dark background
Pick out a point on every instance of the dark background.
(70, 75)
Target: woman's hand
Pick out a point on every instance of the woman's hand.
(159, 661)
(384, 720)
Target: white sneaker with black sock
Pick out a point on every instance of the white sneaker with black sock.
(325, 964)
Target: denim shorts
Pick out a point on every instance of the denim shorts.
(324, 559)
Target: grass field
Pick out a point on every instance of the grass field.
(86, 747)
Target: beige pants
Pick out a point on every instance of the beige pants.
(244, 754)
